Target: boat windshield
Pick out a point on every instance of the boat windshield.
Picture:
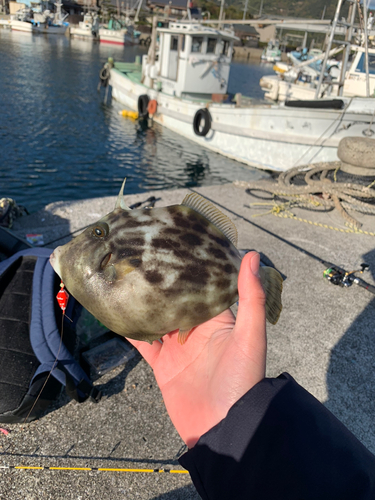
(361, 68)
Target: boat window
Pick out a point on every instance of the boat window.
(196, 44)
(371, 64)
(225, 47)
(182, 43)
(174, 42)
(211, 45)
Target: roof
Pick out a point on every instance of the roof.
(245, 28)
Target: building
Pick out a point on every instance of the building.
(168, 7)
(248, 35)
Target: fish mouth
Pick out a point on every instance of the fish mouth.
(104, 263)
(53, 259)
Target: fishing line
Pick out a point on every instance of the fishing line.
(94, 469)
(62, 298)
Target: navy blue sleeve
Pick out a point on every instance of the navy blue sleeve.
(279, 442)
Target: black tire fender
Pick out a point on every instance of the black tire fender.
(202, 114)
(143, 101)
(104, 73)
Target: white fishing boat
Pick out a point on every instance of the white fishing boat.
(5, 23)
(320, 76)
(88, 28)
(272, 52)
(21, 21)
(119, 33)
(184, 88)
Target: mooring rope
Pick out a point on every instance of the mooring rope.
(318, 192)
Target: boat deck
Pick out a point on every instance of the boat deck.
(132, 70)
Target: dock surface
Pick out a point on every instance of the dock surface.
(325, 339)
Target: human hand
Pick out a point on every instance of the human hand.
(221, 360)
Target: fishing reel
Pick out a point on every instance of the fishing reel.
(338, 276)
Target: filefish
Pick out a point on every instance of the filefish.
(146, 272)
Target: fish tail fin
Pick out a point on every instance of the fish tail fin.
(273, 285)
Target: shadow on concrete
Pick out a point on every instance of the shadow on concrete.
(351, 371)
(185, 493)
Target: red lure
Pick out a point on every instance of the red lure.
(62, 297)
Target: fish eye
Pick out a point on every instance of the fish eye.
(100, 230)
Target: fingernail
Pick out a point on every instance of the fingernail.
(254, 264)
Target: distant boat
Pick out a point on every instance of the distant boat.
(119, 33)
(21, 21)
(88, 28)
(51, 23)
(45, 22)
(5, 23)
(272, 52)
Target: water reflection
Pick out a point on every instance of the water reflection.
(60, 142)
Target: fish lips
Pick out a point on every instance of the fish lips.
(54, 261)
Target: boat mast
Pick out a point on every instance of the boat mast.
(328, 48)
(366, 47)
(346, 54)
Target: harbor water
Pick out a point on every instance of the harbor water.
(59, 141)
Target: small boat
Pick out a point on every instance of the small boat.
(88, 28)
(5, 23)
(22, 20)
(51, 23)
(272, 52)
(118, 33)
(40, 22)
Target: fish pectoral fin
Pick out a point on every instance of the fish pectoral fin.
(123, 268)
(273, 286)
(183, 335)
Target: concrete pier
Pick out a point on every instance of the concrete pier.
(325, 338)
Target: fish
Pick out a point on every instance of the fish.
(146, 272)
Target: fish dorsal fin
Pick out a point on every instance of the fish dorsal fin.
(120, 203)
(213, 214)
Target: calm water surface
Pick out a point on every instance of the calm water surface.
(60, 142)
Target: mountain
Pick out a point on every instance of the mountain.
(281, 8)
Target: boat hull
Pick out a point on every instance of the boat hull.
(117, 37)
(82, 33)
(21, 26)
(50, 30)
(266, 136)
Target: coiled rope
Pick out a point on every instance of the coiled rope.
(317, 192)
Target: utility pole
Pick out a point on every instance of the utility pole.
(221, 12)
(245, 9)
(261, 8)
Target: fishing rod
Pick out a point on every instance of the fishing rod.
(333, 273)
(338, 276)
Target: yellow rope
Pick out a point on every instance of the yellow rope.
(325, 226)
(99, 469)
(278, 208)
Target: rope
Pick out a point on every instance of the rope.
(278, 210)
(318, 193)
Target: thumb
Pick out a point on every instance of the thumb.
(250, 328)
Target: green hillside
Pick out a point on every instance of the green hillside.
(284, 8)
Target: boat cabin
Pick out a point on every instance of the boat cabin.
(192, 61)
(355, 81)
